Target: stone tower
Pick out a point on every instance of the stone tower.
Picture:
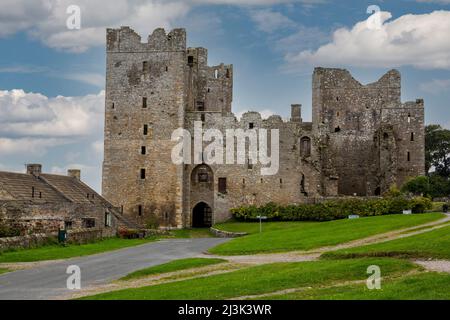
(145, 101)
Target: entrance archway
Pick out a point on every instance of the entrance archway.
(201, 216)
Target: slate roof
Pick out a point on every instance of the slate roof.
(47, 188)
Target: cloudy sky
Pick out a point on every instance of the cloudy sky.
(52, 78)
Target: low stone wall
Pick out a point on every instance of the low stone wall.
(227, 234)
(28, 241)
(79, 236)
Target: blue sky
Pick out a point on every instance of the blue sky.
(51, 78)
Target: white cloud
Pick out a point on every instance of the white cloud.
(417, 40)
(270, 21)
(45, 20)
(436, 86)
(35, 115)
(66, 132)
(29, 146)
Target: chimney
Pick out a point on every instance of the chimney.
(74, 173)
(34, 168)
(296, 112)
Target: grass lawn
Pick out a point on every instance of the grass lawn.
(175, 265)
(289, 236)
(54, 252)
(261, 279)
(432, 244)
(191, 233)
(424, 286)
(3, 270)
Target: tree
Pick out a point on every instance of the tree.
(417, 186)
(437, 150)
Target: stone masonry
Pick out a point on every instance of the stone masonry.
(362, 138)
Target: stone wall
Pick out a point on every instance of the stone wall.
(80, 236)
(32, 218)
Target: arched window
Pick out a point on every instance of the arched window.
(305, 146)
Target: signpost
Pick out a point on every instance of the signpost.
(261, 218)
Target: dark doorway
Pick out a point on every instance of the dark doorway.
(201, 216)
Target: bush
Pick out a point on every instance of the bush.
(129, 233)
(7, 231)
(152, 222)
(333, 209)
(421, 204)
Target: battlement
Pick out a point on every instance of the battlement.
(342, 78)
(126, 39)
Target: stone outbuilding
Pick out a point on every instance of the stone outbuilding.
(37, 202)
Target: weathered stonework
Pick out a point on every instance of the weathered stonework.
(362, 138)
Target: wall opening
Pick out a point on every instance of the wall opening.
(337, 129)
(143, 150)
(216, 74)
(222, 185)
(201, 216)
(378, 191)
(144, 102)
(107, 219)
(305, 146)
(140, 210)
(142, 174)
(145, 129)
(408, 156)
(190, 61)
(412, 136)
(251, 125)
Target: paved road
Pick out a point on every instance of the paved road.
(49, 281)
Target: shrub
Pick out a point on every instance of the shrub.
(421, 204)
(125, 233)
(332, 209)
(152, 222)
(8, 231)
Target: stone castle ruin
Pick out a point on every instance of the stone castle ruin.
(362, 138)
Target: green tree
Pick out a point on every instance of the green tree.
(437, 150)
(417, 186)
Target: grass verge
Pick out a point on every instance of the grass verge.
(431, 244)
(259, 280)
(54, 252)
(289, 236)
(191, 233)
(176, 265)
(424, 286)
(3, 270)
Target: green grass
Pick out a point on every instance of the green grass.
(289, 236)
(3, 270)
(191, 233)
(431, 244)
(54, 252)
(260, 279)
(175, 265)
(425, 286)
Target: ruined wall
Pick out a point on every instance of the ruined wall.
(366, 131)
(297, 181)
(361, 139)
(145, 100)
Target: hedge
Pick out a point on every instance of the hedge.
(333, 209)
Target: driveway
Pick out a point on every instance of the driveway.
(49, 281)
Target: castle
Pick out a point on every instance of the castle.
(362, 138)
